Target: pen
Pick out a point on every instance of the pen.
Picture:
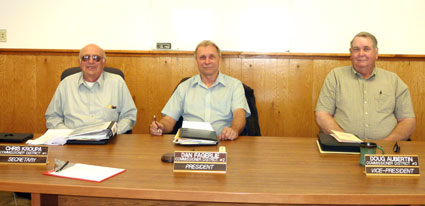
(63, 166)
(156, 123)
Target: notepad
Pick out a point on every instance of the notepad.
(86, 172)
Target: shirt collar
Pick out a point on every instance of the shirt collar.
(219, 80)
(99, 81)
(357, 74)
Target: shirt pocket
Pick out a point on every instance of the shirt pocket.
(385, 103)
(109, 114)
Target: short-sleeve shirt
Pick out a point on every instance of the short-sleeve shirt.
(196, 102)
(75, 104)
(368, 108)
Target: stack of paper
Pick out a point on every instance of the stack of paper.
(196, 133)
(345, 137)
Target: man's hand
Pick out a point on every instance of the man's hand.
(156, 128)
(228, 134)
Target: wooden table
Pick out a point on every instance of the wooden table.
(261, 170)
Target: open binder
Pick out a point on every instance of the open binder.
(94, 134)
(100, 133)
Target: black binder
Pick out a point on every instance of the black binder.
(330, 144)
(199, 134)
(88, 142)
(15, 137)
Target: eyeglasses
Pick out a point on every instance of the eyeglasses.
(95, 58)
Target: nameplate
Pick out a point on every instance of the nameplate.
(392, 165)
(23, 150)
(197, 161)
(20, 154)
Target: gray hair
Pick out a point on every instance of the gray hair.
(366, 35)
(207, 43)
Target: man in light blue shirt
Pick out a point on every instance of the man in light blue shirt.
(209, 96)
(91, 96)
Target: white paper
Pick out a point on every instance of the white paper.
(88, 172)
(345, 137)
(197, 125)
(52, 137)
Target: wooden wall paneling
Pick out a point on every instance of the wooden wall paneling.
(415, 81)
(286, 87)
(20, 94)
(3, 87)
(232, 66)
(300, 91)
(276, 92)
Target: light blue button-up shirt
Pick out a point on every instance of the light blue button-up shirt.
(75, 104)
(196, 102)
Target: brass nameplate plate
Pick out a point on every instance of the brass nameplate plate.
(23, 154)
(392, 165)
(196, 161)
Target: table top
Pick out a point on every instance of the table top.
(260, 170)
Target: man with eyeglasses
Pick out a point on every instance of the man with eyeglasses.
(365, 100)
(91, 96)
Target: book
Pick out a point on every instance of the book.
(328, 144)
(345, 137)
(196, 133)
(99, 133)
(86, 172)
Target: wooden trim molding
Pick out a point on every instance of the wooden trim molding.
(188, 53)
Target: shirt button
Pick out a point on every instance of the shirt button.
(365, 113)
(365, 102)
(366, 125)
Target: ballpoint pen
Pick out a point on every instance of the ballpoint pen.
(156, 123)
(63, 166)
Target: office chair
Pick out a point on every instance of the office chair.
(252, 126)
(74, 70)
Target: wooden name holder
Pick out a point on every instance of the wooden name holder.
(392, 165)
(19, 154)
(196, 161)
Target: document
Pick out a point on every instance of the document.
(345, 137)
(197, 125)
(196, 133)
(86, 172)
(95, 132)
